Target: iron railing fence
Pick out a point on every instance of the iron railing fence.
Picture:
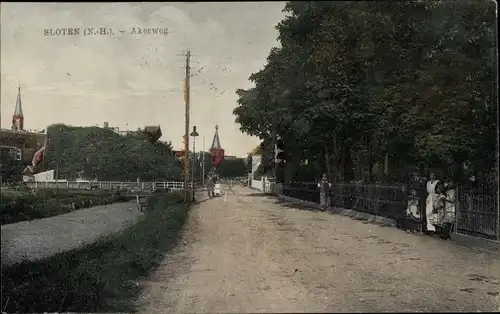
(477, 210)
(381, 200)
(477, 213)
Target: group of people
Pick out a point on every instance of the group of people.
(212, 178)
(437, 212)
(440, 206)
(435, 216)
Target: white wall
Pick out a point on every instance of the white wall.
(257, 184)
(255, 163)
(263, 185)
(44, 176)
(27, 178)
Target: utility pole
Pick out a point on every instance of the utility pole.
(494, 99)
(186, 130)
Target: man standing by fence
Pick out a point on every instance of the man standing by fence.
(324, 192)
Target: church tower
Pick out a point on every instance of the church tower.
(216, 141)
(216, 150)
(18, 118)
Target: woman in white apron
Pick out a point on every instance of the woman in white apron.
(432, 198)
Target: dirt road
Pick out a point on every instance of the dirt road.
(249, 254)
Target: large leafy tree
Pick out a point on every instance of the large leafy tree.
(359, 83)
(97, 153)
(233, 168)
(10, 168)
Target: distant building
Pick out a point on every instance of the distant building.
(112, 128)
(152, 132)
(256, 155)
(44, 176)
(216, 149)
(28, 173)
(124, 133)
(18, 117)
(18, 143)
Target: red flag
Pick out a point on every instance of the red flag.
(39, 154)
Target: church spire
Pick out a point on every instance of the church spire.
(216, 141)
(18, 117)
(216, 150)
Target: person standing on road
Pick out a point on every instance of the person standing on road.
(324, 192)
(215, 178)
(210, 184)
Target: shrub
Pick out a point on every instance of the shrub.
(28, 205)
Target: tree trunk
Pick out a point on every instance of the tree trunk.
(291, 167)
(334, 161)
(370, 158)
(386, 167)
(328, 162)
(346, 162)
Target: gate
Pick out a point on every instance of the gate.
(478, 213)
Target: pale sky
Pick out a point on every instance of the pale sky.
(135, 80)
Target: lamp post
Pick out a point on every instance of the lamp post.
(203, 164)
(194, 134)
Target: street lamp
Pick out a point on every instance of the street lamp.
(194, 134)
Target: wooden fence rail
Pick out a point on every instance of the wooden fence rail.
(108, 185)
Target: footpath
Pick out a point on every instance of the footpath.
(40, 238)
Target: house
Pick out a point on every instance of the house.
(256, 155)
(153, 133)
(28, 174)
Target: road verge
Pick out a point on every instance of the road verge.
(101, 277)
(345, 212)
(477, 243)
(25, 205)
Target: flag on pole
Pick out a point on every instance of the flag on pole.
(39, 154)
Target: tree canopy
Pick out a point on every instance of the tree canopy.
(228, 168)
(97, 153)
(358, 85)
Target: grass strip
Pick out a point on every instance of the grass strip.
(101, 277)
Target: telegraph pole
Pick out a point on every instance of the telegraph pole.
(186, 130)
